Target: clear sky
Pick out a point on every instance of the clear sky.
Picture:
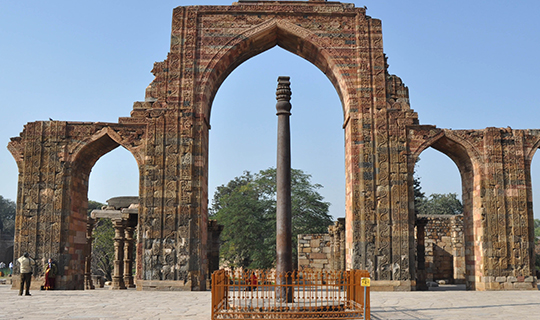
(468, 65)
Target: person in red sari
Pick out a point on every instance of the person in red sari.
(252, 282)
(50, 275)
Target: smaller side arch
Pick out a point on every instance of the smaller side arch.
(87, 152)
(533, 149)
(466, 157)
(80, 163)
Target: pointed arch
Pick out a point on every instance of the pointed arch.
(261, 38)
(88, 152)
(532, 151)
(466, 157)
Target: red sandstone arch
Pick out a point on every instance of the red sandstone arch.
(168, 135)
(84, 157)
(528, 173)
(87, 152)
(466, 158)
(260, 38)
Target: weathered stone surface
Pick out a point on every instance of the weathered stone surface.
(122, 202)
(444, 251)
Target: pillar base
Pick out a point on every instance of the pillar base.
(118, 284)
(129, 282)
(506, 283)
(393, 285)
(163, 285)
(88, 283)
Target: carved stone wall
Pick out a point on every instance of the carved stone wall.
(168, 135)
(54, 160)
(494, 164)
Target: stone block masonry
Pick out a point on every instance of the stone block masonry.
(444, 248)
(323, 251)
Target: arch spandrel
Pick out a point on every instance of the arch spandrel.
(275, 32)
(88, 150)
(453, 143)
(532, 143)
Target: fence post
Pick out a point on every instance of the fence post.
(365, 282)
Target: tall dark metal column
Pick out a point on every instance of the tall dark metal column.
(283, 181)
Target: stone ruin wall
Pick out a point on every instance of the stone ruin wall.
(314, 252)
(324, 251)
(444, 248)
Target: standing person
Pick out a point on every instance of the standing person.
(10, 268)
(50, 275)
(252, 282)
(26, 263)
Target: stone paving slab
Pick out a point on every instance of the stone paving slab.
(132, 304)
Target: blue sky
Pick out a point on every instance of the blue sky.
(468, 65)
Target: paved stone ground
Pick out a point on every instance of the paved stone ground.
(132, 304)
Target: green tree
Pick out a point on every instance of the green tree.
(7, 216)
(103, 244)
(440, 204)
(419, 196)
(246, 206)
(93, 205)
(103, 249)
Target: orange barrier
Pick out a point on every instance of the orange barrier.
(256, 294)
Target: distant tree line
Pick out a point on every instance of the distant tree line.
(435, 203)
(7, 216)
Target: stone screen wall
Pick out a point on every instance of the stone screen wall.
(314, 251)
(324, 251)
(444, 248)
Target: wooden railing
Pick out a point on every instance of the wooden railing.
(256, 294)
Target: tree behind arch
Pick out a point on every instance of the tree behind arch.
(246, 207)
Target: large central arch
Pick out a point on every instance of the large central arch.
(262, 37)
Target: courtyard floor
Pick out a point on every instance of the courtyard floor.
(444, 303)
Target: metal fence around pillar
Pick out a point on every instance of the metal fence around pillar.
(316, 294)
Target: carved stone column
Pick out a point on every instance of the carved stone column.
(88, 284)
(128, 256)
(283, 181)
(118, 273)
(421, 284)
